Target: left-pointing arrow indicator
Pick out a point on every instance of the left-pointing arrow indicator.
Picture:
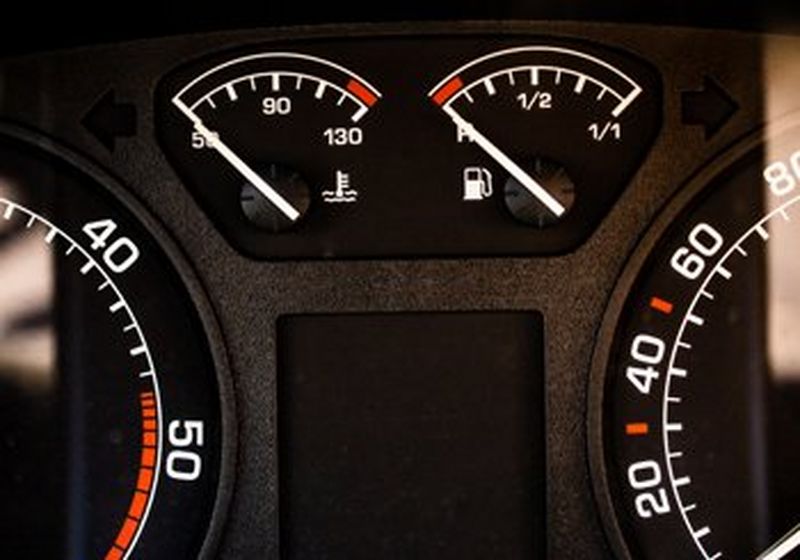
(108, 120)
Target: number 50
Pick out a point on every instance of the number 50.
(182, 463)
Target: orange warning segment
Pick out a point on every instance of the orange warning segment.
(362, 92)
(149, 439)
(661, 305)
(144, 483)
(115, 554)
(637, 429)
(138, 505)
(148, 457)
(447, 91)
(126, 533)
(145, 479)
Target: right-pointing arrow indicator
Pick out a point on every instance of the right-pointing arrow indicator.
(711, 107)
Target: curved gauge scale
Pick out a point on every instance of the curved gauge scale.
(109, 403)
(699, 419)
(520, 147)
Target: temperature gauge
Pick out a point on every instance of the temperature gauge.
(293, 155)
(264, 138)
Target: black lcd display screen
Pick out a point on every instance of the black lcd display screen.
(416, 435)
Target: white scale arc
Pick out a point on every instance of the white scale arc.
(10, 208)
(274, 77)
(625, 99)
(271, 56)
(674, 371)
(212, 138)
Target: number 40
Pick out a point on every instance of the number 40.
(119, 254)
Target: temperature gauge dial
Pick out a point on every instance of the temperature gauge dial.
(265, 139)
(293, 155)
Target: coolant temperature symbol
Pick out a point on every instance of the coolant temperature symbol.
(343, 192)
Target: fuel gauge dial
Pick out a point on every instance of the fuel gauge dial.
(559, 129)
(293, 153)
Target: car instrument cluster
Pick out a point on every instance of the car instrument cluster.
(522, 290)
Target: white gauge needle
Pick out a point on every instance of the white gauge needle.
(213, 141)
(507, 163)
(788, 543)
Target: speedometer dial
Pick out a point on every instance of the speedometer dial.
(699, 413)
(110, 420)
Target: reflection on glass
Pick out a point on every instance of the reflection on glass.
(782, 297)
(784, 302)
(783, 293)
(27, 340)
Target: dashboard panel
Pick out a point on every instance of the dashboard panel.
(414, 290)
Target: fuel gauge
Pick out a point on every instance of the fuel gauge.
(293, 153)
(557, 130)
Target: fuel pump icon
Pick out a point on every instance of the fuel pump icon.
(477, 183)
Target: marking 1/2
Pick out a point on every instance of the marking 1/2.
(538, 100)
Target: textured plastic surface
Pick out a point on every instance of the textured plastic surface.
(51, 93)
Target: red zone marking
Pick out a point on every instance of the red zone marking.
(643, 428)
(144, 483)
(637, 429)
(661, 305)
(362, 92)
(447, 91)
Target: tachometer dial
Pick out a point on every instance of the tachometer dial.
(699, 416)
(110, 415)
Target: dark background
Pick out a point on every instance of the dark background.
(37, 28)
(412, 435)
